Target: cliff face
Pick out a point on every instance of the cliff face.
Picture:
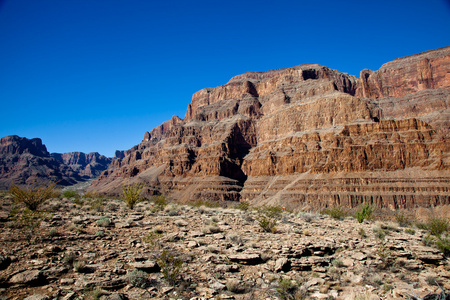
(27, 161)
(24, 161)
(86, 165)
(306, 135)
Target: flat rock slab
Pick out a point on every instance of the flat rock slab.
(148, 266)
(29, 277)
(246, 259)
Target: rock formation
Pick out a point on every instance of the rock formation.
(27, 161)
(305, 136)
(86, 165)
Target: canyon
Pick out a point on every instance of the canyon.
(306, 136)
(27, 162)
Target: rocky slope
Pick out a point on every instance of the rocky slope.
(305, 136)
(27, 161)
(87, 250)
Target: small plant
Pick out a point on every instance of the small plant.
(78, 266)
(428, 240)
(380, 234)
(70, 194)
(104, 222)
(53, 232)
(386, 256)
(443, 244)
(336, 212)
(170, 267)
(365, 211)
(69, 258)
(437, 226)
(362, 233)
(152, 238)
(402, 219)
(138, 278)
(410, 231)
(268, 217)
(160, 203)
(287, 288)
(28, 220)
(337, 263)
(100, 233)
(132, 194)
(96, 294)
(32, 196)
(243, 206)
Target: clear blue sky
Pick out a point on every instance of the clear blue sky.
(94, 75)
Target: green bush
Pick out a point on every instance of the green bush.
(243, 206)
(138, 278)
(402, 219)
(132, 194)
(28, 220)
(443, 244)
(32, 196)
(365, 211)
(70, 194)
(437, 226)
(160, 203)
(104, 222)
(268, 217)
(336, 212)
(287, 288)
(170, 267)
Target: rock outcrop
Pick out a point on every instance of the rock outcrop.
(26, 162)
(306, 135)
(86, 165)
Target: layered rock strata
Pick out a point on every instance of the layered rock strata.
(306, 135)
(88, 165)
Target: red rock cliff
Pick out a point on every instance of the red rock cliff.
(306, 135)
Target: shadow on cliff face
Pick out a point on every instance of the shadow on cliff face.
(238, 147)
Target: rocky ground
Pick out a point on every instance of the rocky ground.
(100, 249)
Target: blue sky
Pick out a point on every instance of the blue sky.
(94, 75)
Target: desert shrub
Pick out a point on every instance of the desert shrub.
(32, 196)
(78, 266)
(69, 258)
(160, 203)
(337, 263)
(443, 244)
(437, 226)
(402, 219)
(104, 222)
(243, 206)
(100, 233)
(132, 194)
(53, 232)
(428, 240)
(362, 233)
(70, 194)
(138, 278)
(380, 233)
(365, 211)
(410, 231)
(268, 217)
(286, 288)
(170, 267)
(307, 216)
(27, 220)
(336, 212)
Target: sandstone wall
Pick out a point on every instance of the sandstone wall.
(306, 135)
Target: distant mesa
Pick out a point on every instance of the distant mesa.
(27, 161)
(306, 136)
